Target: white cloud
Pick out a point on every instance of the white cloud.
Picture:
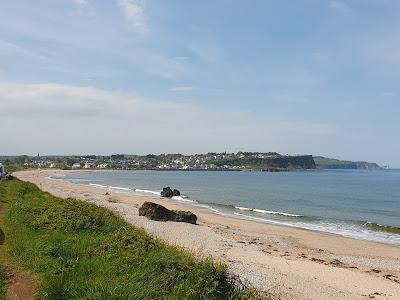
(134, 15)
(183, 89)
(83, 8)
(180, 58)
(292, 99)
(382, 51)
(339, 6)
(209, 52)
(162, 66)
(81, 3)
(292, 78)
(10, 49)
(193, 88)
(56, 118)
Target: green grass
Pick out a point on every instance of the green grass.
(81, 251)
(3, 284)
(323, 161)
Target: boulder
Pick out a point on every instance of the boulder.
(176, 192)
(167, 192)
(185, 216)
(157, 212)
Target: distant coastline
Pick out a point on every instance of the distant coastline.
(212, 161)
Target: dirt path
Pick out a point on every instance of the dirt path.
(22, 285)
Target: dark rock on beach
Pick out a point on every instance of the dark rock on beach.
(156, 212)
(167, 192)
(176, 192)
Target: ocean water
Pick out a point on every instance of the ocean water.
(343, 202)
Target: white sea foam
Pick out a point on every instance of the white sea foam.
(99, 185)
(243, 208)
(343, 229)
(182, 198)
(262, 211)
(148, 192)
(177, 198)
(119, 188)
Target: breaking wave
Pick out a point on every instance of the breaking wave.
(268, 212)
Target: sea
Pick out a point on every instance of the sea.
(360, 204)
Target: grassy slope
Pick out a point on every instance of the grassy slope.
(323, 161)
(81, 251)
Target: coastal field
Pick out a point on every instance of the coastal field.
(287, 262)
(56, 248)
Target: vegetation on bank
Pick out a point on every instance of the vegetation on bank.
(383, 228)
(10, 168)
(78, 250)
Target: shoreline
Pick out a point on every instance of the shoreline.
(289, 262)
(359, 230)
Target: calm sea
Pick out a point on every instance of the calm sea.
(352, 203)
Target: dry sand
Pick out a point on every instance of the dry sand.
(288, 262)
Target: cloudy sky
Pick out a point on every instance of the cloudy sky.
(155, 76)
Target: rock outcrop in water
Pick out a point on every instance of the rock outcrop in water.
(168, 192)
(156, 212)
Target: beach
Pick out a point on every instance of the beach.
(287, 262)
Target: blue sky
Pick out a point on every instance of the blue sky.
(152, 76)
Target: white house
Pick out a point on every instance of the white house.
(76, 165)
(89, 165)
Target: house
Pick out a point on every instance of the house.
(89, 165)
(76, 165)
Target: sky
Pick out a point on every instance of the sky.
(317, 77)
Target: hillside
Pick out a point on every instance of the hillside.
(267, 162)
(332, 163)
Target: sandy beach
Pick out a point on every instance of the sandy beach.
(288, 262)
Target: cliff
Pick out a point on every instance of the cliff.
(331, 163)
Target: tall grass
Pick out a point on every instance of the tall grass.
(82, 251)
